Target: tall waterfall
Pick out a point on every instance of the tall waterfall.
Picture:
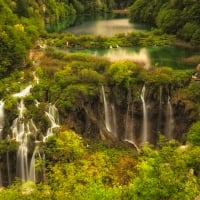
(110, 115)
(160, 110)
(145, 118)
(114, 128)
(169, 127)
(53, 117)
(129, 123)
(32, 170)
(129, 132)
(20, 132)
(106, 110)
(1, 117)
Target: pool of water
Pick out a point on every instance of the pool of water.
(107, 25)
(169, 56)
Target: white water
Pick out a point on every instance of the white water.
(32, 170)
(142, 58)
(114, 129)
(53, 117)
(36, 79)
(169, 127)
(129, 124)
(160, 110)
(106, 111)
(24, 92)
(110, 115)
(145, 119)
(37, 103)
(1, 117)
(20, 131)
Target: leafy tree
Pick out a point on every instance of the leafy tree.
(194, 134)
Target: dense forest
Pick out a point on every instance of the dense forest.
(77, 126)
(175, 16)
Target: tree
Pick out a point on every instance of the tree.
(194, 134)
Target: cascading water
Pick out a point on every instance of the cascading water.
(114, 129)
(24, 92)
(129, 132)
(36, 79)
(1, 117)
(53, 116)
(145, 118)
(106, 110)
(110, 116)
(32, 170)
(20, 133)
(129, 124)
(169, 127)
(160, 110)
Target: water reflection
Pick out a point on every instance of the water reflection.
(105, 27)
(158, 56)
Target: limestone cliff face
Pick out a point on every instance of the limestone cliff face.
(123, 119)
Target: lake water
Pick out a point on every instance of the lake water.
(154, 56)
(111, 24)
(108, 25)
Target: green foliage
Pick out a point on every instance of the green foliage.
(164, 174)
(151, 38)
(194, 91)
(64, 147)
(123, 73)
(175, 16)
(169, 20)
(194, 134)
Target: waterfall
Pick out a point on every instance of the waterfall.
(110, 116)
(22, 162)
(53, 117)
(145, 118)
(169, 127)
(37, 103)
(129, 124)
(106, 110)
(36, 79)
(24, 92)
(20, 131)
(114, 129)
(32, 170)
(1, 117)
(160, 110)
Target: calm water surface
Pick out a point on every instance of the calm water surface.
(155, 56)
(106, 27)
(109, 25)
